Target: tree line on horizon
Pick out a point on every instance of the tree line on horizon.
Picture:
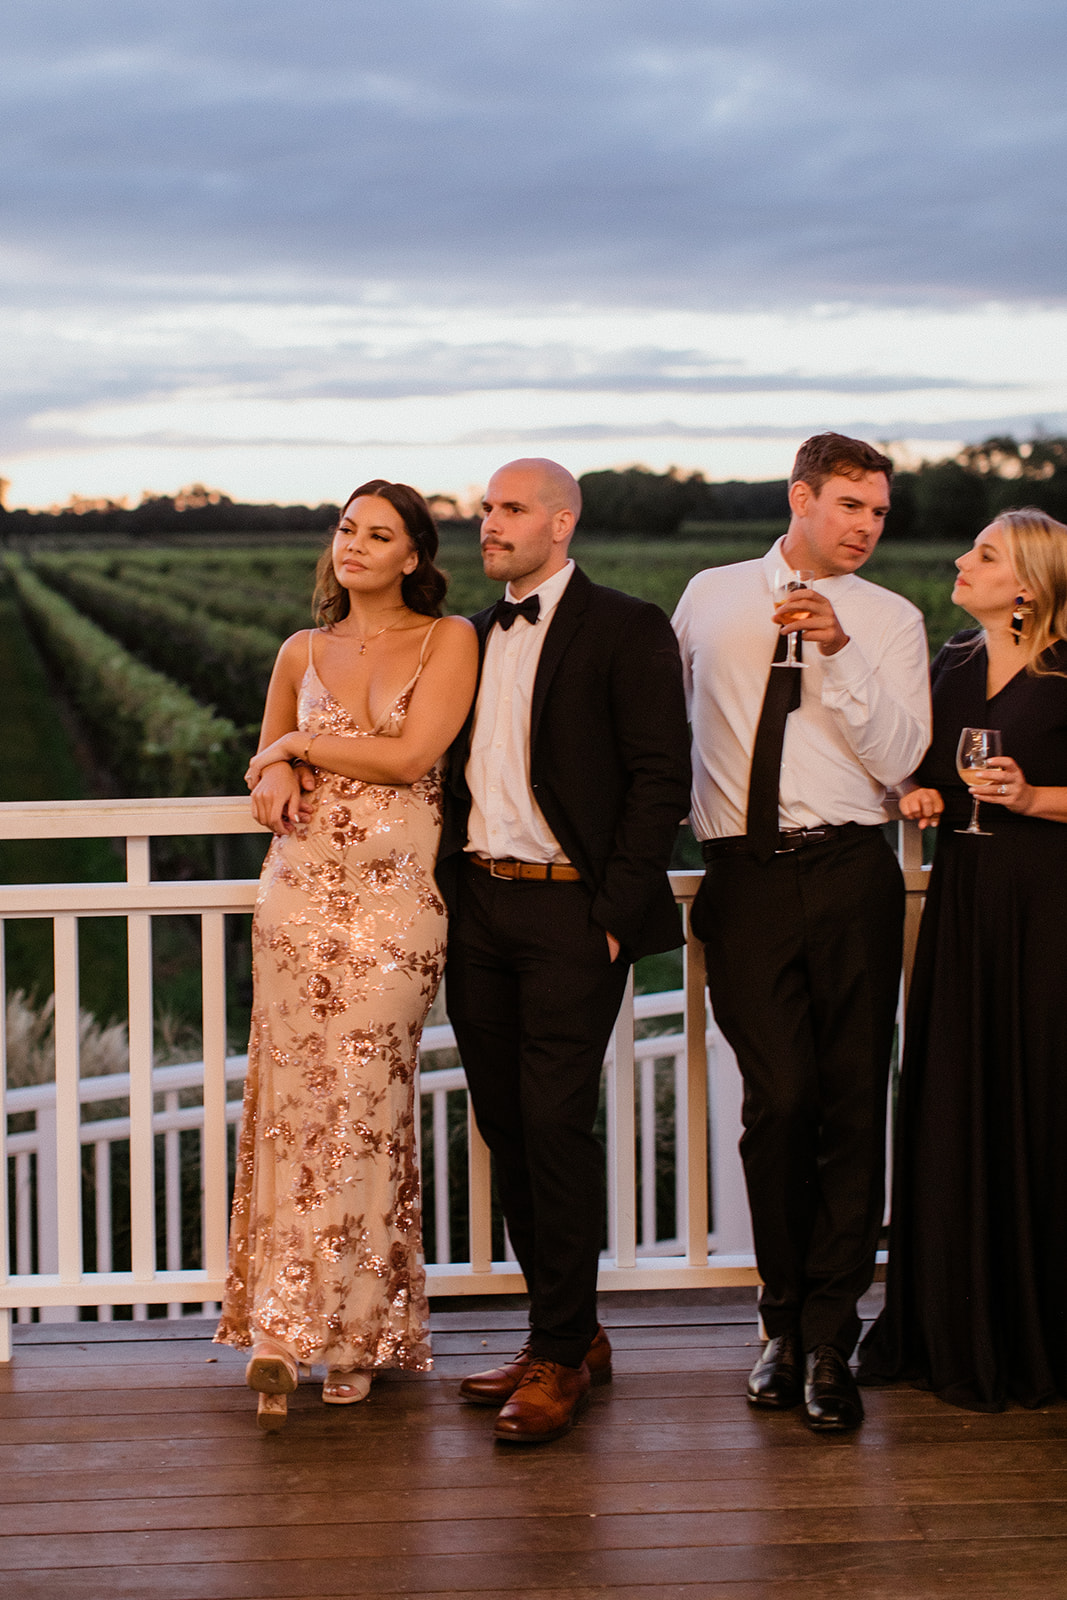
(949, 499)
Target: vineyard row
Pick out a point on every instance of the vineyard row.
(221, 663)
(152, 735)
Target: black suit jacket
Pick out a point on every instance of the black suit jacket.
(609, 758)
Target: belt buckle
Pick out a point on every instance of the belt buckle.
(803, 836)
(503, 877)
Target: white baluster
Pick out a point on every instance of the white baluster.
(102, 1184)
(214, 1191)
(648, 1154)
(441, 1201)
(691, 1113)
(142, 1137)
(59, 1241)
(172, 1185)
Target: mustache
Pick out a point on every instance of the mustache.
(495, 544)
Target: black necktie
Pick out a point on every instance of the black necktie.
(505, 613)
(781, 697)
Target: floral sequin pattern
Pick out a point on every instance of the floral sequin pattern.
(348, 949)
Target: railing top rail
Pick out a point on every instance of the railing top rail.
(122, 819)
(215, 814)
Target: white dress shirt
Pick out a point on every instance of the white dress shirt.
(505, 819)
(863, 722)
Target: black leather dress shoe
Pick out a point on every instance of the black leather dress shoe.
(831, 1400)
(775, 1382)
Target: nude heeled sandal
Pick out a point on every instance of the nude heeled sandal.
(345, 1387)
(273, 1374)
(272, 1412)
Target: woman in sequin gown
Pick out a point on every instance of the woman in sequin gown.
(348, 946)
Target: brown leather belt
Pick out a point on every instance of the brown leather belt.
(789, 839)
(537, 871)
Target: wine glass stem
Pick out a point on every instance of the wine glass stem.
(974, 815)
(791, 651)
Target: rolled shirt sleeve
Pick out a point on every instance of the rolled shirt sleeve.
(883, 705)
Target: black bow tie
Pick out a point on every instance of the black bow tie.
(505, 613)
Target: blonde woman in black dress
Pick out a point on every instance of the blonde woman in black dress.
(976, 1303)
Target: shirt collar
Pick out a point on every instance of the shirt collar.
(550, 592)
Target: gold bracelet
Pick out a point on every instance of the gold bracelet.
(306, 757)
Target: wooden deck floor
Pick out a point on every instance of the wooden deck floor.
(130, 1466)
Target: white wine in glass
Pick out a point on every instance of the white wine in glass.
(973, 754)
(786, 581)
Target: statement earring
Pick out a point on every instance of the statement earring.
(1017, 618)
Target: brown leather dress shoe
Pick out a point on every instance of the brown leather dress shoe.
(545, 1403)
(492, 1388)
(776, 1381)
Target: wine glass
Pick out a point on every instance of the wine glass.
(973, 753)
(786, 580)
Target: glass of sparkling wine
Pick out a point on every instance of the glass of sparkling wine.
(786, 580)
(976, 747)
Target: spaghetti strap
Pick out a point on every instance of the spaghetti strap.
(311, 641)
(426, 640)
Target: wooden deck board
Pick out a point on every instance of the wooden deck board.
(130, 1465)
(870, 1570)
(118, 1506)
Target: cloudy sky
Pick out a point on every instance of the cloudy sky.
(277, 247)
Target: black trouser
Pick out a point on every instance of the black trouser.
(533, 996)
(803, 958)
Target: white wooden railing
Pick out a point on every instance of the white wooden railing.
(43, 1164)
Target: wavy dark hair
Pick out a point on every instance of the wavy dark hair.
(831, 455)
(422, 590)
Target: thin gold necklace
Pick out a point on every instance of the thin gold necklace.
(367, 637)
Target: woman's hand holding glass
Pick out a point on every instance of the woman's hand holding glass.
(975, 751)
(1001, 782)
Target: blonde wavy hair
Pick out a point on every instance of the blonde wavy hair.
(1037, 547)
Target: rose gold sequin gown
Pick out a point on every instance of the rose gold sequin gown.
(348, 944)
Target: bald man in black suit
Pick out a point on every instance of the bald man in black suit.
(566, 791)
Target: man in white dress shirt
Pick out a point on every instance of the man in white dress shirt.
(564, 798)
(801, 908)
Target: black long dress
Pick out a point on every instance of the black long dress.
(976, 1305)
